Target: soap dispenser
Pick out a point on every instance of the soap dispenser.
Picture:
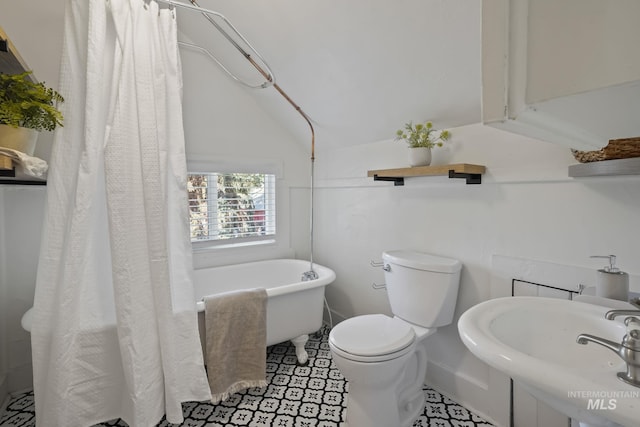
(612, 283)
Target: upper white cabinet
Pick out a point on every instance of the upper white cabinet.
(565, 71)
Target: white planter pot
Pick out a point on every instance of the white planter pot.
(420, 156)
(19, 139)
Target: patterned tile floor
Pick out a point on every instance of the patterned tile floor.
(297, 396)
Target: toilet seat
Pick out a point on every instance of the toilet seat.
(372, 338)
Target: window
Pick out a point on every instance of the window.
(231, 207)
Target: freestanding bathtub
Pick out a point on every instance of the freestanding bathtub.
(294, 307)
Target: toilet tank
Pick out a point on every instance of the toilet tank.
(422, 288)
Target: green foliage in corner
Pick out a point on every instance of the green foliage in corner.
(422, 135)
(24, 103)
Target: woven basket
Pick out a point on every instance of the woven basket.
(616, 149)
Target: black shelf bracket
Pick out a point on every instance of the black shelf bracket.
(11, 173)
(472, 178)
(5, 174)
(21, 182)
(396, 180)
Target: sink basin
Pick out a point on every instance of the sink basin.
(533, 340)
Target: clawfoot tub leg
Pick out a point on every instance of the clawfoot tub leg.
(301, 353)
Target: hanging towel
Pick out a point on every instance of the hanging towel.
(236, 341)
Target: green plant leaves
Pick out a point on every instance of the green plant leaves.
(422, 135)
(24, 103)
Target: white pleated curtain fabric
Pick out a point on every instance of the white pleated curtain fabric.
(115, 325)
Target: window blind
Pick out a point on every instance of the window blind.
(225, 206)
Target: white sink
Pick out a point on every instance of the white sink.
(533, 340)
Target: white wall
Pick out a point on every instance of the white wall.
(526, 207)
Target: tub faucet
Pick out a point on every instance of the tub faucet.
(628, 350)
(309, 275)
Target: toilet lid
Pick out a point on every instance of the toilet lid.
(372, 335)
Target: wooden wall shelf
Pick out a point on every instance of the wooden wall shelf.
(471, 173)
(629, 166)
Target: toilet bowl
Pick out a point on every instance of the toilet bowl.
(373, 352)
(384, 358)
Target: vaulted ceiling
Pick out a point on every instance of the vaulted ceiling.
(360, 68)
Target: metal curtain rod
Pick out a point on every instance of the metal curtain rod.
(264, 85)
(267, 74)
(270, 78)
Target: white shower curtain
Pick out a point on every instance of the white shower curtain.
(115, 327)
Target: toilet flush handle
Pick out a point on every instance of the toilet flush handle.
(385, 267)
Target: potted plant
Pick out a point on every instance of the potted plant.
(421, 138)
(26, 108)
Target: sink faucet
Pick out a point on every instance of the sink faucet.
(628, 350)
(612, 314)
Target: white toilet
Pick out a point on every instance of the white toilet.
(384, 358)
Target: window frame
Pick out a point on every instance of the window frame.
(223, 166)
